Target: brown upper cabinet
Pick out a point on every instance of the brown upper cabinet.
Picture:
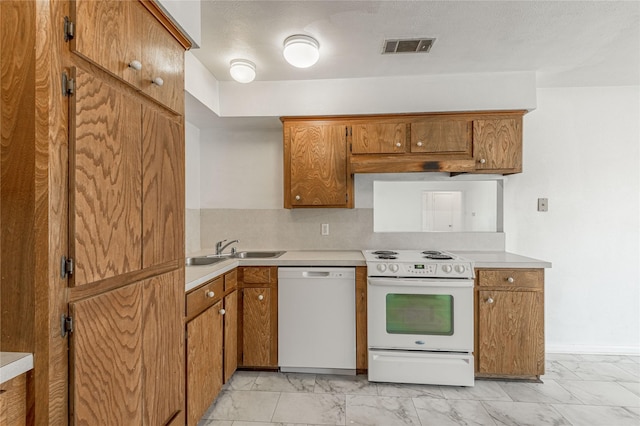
(373, 137)
(315, 165)
(131, 44)
(318, 172)
(438, 136)
(497, 145)
(127, 180)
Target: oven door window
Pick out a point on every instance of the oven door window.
(424, 314)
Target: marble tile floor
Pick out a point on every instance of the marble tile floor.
(589, 390)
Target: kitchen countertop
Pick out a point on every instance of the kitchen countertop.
(197, 275)
(502, 259)
(13, 364)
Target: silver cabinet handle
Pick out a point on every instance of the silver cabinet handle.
(210, 294)
(490, 300)
(482, 161)
(398, 144)
(297, 198)
(510, 280)
(222, 312)
(419, 144)
(158, 81)
(261, 297)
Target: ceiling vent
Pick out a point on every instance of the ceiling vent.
(413, 45)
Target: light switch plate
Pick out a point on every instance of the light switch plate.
(543, 204)
(325, 229)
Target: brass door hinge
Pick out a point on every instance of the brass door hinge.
(66, 325)
(66, 267)
(68, 85)
(69, 29)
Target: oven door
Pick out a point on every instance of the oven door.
(426, 314)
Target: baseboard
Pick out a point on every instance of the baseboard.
(599, 350)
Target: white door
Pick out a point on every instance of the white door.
(441, 211)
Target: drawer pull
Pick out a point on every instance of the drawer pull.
(490, 300)
(222, 311)
(261, 297)
(210, 293)
(136, 65)
(158, 81)
(398, 144)
(510, 280)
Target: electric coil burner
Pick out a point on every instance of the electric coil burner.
(420, 317)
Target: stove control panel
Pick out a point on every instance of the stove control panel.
(421, 269)
(431, 270)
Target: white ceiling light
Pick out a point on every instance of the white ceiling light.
(242, 71)
(301, 51)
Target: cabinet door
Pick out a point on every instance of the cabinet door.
(442, 137)
(105, 181)
(163, 347)
(107, 34)
(510, 333)
(163, 65)
(256, 327)
(230, 334)
(106, 358)
(497, 145)
(379, 138)
(163, 188)
(204, 362)
(13, 401)
(318, 170)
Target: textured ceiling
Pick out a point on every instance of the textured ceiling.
(569, 43)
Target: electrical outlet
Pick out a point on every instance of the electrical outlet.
(543, 204)
(325, 229)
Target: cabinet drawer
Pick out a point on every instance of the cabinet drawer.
(231, 280)
(259, 275)
(203, 297)
(530, 278)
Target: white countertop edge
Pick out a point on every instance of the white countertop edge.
(13, 364)
(210, 272)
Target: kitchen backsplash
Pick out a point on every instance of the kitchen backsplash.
(300, 229)
(192, 230)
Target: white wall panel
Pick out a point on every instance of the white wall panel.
(581, 152)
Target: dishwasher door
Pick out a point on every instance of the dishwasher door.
(317, 320)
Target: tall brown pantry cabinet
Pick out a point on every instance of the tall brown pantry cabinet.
(92, 208)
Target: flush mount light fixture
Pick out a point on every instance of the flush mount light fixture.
(301, 51)
(242, 71)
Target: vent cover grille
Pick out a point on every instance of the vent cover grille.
(414, 45)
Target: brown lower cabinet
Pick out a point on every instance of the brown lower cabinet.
(258, 340)
(211, 342)
(13, 401)
(509, 323)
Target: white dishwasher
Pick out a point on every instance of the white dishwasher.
(317, 320)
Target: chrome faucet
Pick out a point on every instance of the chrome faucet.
(220, 247)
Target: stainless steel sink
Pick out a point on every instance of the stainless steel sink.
(203, 260)
(259, 254)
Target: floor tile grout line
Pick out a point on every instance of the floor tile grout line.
(275, 408)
